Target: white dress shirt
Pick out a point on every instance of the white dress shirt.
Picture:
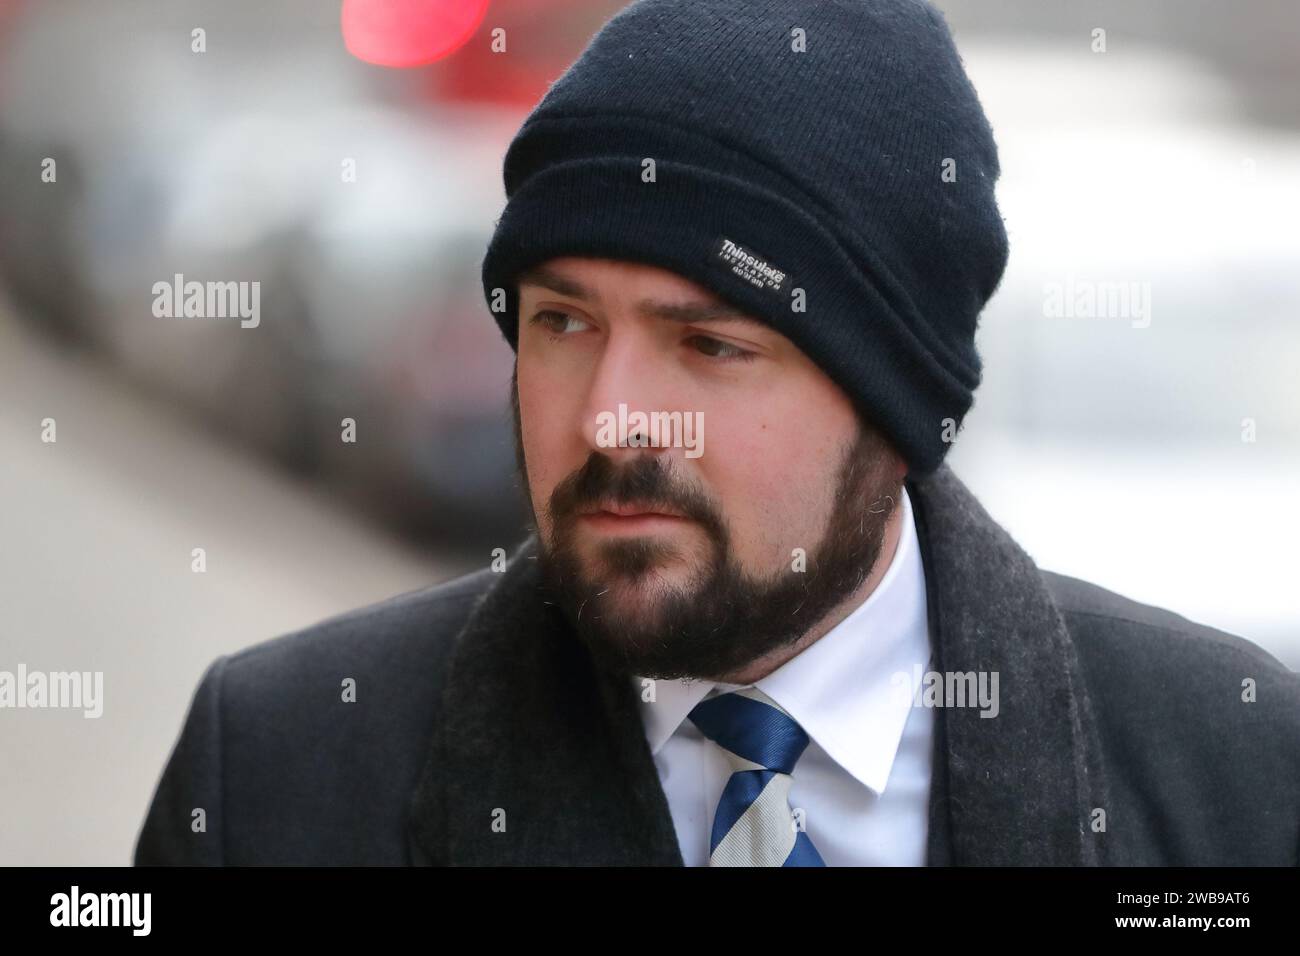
(863, 783)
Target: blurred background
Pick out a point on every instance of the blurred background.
(1152, 447)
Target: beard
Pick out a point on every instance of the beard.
(636, 621)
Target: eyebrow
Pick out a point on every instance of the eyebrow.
(685, 312)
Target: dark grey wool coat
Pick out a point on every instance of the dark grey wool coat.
(471, 696)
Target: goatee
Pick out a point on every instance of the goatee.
(635, 619)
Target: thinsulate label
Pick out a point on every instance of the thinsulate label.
(749, 265)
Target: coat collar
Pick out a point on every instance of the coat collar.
(539, 758)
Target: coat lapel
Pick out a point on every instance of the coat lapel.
(538, 758)
(1016, 789)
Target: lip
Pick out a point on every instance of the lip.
(631, 511)
(633, 519)
(604, 522)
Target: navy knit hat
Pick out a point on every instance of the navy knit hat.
(823, 165)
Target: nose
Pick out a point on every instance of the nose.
(630, 374)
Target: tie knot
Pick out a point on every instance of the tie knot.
(753, 727)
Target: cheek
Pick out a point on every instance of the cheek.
(539, 428)
(550, 409)
(772, 477)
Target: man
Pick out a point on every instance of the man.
(760, 622)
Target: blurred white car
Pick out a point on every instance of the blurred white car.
(363, 214)
(1156, 455)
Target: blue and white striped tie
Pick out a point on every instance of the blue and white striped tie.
(754, 825)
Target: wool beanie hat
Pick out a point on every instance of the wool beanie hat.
(822, 165)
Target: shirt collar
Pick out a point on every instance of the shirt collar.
(844, 689)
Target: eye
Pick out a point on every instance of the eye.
(546, 318)
(722, 351)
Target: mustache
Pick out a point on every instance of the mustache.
(647, 480)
